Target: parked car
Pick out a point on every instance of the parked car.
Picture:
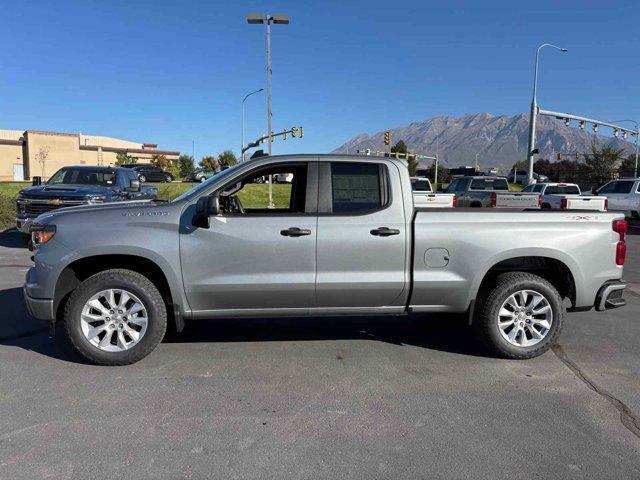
(424, 196)
(201, 175)
(522, 177)
(484, 191)
(566, 196)
(80, 185)
(283, 178)
(349, 241)
(623, 195)
(149, 173)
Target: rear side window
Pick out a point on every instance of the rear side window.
(499, 184)
(563, 190)
(356, 187)
(478, 184)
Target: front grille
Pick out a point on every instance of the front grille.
(35, 208)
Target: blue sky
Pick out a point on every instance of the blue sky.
(172, 72)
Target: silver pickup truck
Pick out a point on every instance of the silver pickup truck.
(483, 191)
(347, 240)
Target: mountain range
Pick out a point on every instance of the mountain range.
(499, 141)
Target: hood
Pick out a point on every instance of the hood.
(96, 208)
(65, 191)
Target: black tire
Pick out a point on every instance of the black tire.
(168, 178)
(133, 282)
(490, 301)
(142, 179)
(545, 206)
(203, 179)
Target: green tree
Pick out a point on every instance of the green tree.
(171, 166)
(412, 163)
(602, 163)
(123, 158)
(444, 175)
(628, 166)
(227, 159)
(186, 165)
(210, 163)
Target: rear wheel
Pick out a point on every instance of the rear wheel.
(168, 178)
(142, 179)
(203, 179)
(115, 317)
(521, 316)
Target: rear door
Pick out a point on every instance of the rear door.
(362, 235)
(618, 193)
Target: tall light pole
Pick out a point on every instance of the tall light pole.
(280, 19)
(635, 171)
(534, 110)
(476, 162)
(243, 100)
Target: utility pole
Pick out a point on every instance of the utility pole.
(243, 100)
(534, 110)
(256, 18)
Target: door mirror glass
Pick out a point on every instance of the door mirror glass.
(594, 190)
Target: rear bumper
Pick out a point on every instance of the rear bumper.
(610, 295)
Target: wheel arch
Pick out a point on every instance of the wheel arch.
(561, 272)
(82, 268)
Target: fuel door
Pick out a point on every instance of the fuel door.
(436, 257)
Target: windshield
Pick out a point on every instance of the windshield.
(203, 185)
(82, 176)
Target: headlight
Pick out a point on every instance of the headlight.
(95, 198)
(41, 234)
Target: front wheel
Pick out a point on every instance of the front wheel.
(521, 316)
(203, 179)
(142, 179)
(115, 317)
(168, 178)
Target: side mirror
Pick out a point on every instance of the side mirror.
(594, 190)
(135, 186)
(206, 207)
(37, 181)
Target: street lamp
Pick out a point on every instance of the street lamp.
(243, 100)
(534, 107)
(635, 171)
(280, 19)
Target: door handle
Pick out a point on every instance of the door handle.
(385, 231)
(295, 232)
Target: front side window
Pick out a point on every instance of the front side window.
(250, 194)
(608, 188)
(623, 186)
(356, 187)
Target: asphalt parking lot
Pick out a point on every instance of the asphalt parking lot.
(321, 398)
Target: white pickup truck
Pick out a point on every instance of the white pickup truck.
(566, 196)
(425, 197)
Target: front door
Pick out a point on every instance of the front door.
(362, 251)
(617, 193)
(255, 259)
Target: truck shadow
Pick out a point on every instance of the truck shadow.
(11, 238)
(445, 333)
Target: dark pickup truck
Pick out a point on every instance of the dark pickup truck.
(72, 186)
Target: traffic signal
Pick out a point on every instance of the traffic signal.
(559, 156)
(577, 155)
(301, 132)
(387, 138)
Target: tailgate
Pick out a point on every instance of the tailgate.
(433, 200)
(521, 200)
(585, 203)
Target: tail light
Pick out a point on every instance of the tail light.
(454, 203)
(494, 199)
(620, 227)
(539, 201)
(606, 203)
(563, 203)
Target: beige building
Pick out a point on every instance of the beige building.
(24, 154)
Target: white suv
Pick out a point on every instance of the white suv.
(623, 195)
